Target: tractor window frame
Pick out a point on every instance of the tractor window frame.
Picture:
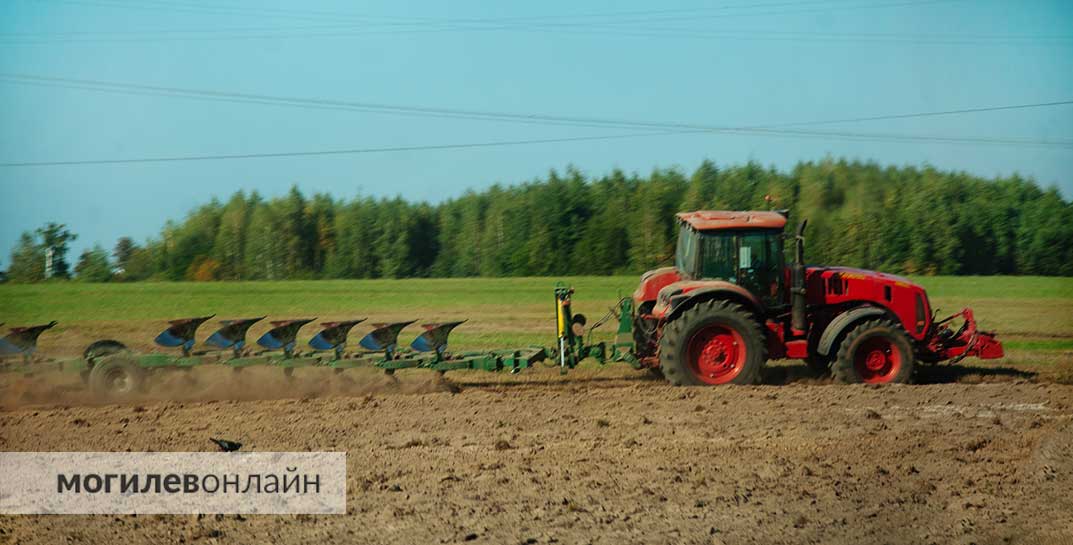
(725, 242)
(765, 248)
(765, 274)
(687, 250)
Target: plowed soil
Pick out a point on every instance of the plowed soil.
(599, 456)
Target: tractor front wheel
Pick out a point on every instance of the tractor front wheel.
(714, 342)
(875, 352)
(117, 377)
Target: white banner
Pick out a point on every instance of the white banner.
(90, 483)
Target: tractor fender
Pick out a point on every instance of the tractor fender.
(724, 291)
(842, 322)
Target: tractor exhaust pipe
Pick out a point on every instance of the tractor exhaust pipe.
(797, 282)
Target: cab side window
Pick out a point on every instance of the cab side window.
(718, 252)
(760, 265)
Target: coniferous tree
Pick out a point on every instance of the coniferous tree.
(124, 250)
(897, 219)
(266, 253)
(228, 249)
(93, 266)
(27, 261)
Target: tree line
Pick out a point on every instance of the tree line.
(897, 219)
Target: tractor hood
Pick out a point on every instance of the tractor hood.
(832, 286)
(854, 273)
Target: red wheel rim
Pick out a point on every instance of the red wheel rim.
(716, 354)
(877, 360)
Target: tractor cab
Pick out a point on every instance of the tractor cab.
(742, 248)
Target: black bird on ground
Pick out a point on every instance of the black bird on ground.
(225, 445)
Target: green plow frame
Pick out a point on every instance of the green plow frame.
(108, 367)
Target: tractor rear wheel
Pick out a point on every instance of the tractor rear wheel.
(117, 377)
(714, 342)
(875, 352)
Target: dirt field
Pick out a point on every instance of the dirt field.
(600, 456)
(975, 453)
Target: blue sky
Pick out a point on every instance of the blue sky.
(731, 63)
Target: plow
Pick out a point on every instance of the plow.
(109, 368)
(730, 303)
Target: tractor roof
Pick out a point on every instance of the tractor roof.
(710, 220)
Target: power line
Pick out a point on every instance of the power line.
(499, 143)
(344, 31)
(771, 130)
(202, 94)
(312, 105)
(534, 24)
(395, 149)
(154, 33)
(930, 114)
(315, 15)
(832, 38)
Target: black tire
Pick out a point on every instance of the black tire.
(643, 333)
(117, 377)
(102, 348)
(875, 352)
(736, 362)
(818, 363)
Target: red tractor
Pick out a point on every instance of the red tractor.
(730, 303)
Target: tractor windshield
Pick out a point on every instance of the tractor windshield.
(752, 259)
(685, 257)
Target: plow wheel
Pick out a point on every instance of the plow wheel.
(100, 349)
(117, 377)
(715, 342)
(875, 352)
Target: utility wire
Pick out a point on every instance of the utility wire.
(834, 38)
(350, 31)
(77, 34)
(775, 130)
(313, 15)
(499, 143)
(529, 24)
(411, 21)
(201, 94)
(312, 106)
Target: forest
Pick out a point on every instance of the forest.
(909, 220)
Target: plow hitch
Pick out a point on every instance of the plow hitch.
(967, 340)
(574, 342)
